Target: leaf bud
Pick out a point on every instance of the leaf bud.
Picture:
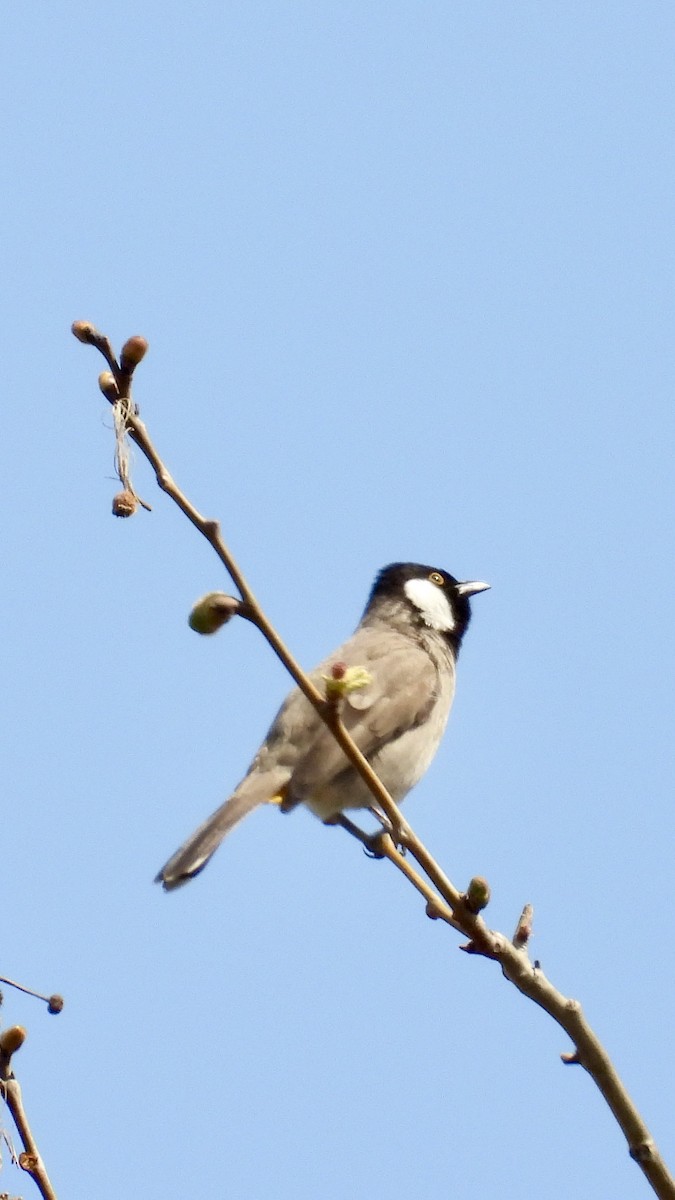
(106, 382)
(134, 351)
(84, 332)
(477, 894)
(11, 1039)
(212, 612)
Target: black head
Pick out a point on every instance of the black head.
(433, 598)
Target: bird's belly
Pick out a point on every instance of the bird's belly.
(399, 765)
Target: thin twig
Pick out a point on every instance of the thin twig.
(443, 899)
(54, 1002)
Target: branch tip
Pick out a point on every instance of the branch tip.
(85, 332)
(11, 1040)
(107, 384)
(523, 930)
(134, 351)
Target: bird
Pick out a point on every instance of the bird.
(407, 642)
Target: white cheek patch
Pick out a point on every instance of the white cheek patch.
(432, 602)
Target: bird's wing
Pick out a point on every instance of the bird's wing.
(404, 685)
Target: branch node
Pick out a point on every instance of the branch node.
(29, 1162)
(643, 1152)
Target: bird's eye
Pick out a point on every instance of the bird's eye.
(437, 578)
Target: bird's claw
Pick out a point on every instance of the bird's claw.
(372, 848)
(394, 831)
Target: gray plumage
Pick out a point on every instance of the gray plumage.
(397, 720)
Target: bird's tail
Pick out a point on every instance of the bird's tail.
(194, 854)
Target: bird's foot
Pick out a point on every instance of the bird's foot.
(395, 832)
(369, 841)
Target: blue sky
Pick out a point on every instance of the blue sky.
(406, 271)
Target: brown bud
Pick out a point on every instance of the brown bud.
(11, 1039)
(84, 332)
(29, 1162)
(524, 927)
(134, 351)
(124, 504)
(338, 670)
(106, 382)
(55, 1004)
(477, 894)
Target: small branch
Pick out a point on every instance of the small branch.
(210, 530)
(590, 1054)
(443, 900)
(436, 908)
(30, 1159)
(54, 1003)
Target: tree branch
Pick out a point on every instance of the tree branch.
(29, 1160)
(443, 900)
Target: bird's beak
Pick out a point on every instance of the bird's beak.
(471, 589)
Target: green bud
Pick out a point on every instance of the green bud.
(212, 612)
(344, 680)
(477, 894)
